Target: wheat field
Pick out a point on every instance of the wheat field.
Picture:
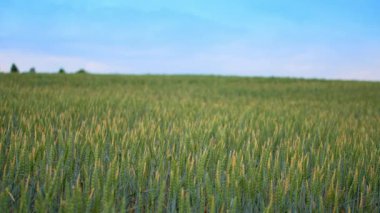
(108, 143)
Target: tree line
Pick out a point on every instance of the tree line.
(14, 69)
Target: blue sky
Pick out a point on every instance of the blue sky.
(333, 39)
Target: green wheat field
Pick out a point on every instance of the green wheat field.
(93, 143)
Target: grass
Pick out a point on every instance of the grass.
(88, 143)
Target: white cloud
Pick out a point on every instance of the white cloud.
(238, 58)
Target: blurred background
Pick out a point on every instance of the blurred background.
(309, 39)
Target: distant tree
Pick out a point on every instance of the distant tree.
(32, 70)
(81, 71)
(14, 69)
(61, 71)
